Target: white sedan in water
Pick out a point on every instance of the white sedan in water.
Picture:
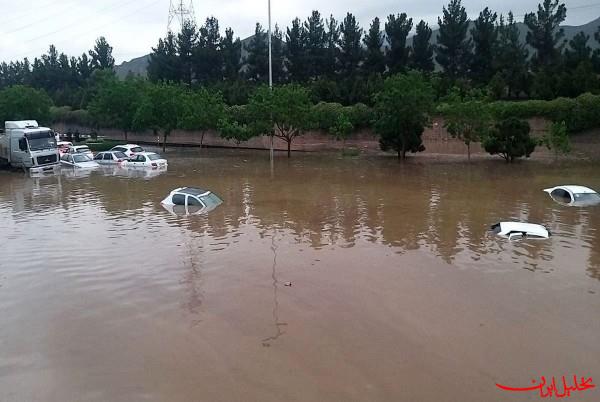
(128, 149)
(81, 149)
(146, 160)
(574, 196)
(80, 161)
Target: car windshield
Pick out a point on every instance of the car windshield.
(587, 197)
(120, 155)
(39, 142)
(81, 158)
(211, 200)
(154, 157)
(137, 149)
(82, 150)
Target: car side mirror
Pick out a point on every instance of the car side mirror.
(22, 144)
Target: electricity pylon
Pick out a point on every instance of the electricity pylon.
(178, 11)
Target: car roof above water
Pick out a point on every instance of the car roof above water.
(191, 191)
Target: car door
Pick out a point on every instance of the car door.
(108, 158)
(98, 157)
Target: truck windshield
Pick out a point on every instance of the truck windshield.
(40, 141)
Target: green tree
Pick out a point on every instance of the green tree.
(115, 104)
(397, 29)
(373, 41)
(102, 54)
(342, 128)
(159, 110)
(557, 139)
(24, 103)
(284, 112)
(186, 46)
(454, 48)
(511, 57)
(467, 120)
(351, 51)
(332, 51)
(402, 111)
(208, 55)
(421, 55)
(231, 55)
(201, 110)
(163, 64)
(258, 56)
(510, 139)
(484, 34)
(578, 50)
(545, 33)
(296, 52)
(315, 41)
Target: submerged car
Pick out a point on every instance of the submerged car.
(128, 149)
(81, 161)
(520, 230)
(191, 200)
(81, 149)
(110, 157)
(146, 159)
(63, 146)
(574, 196)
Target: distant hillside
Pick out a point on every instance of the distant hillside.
(139, 65)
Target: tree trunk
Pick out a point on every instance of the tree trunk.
(164, 145)
(469, 152)
(202, 138)
(289, 144)
(125, 134)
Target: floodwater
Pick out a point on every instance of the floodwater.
(398, 291)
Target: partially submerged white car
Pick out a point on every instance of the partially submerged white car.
(147, 160)
(190, 201)
(81, 161)
(520, 230)
(110, 157)
(81, 149)
(128, 149)
(574, 196)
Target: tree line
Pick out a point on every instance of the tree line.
(340, 61)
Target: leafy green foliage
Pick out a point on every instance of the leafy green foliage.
(284, 112)
(557, 139)
(421, 57)
(468, 120)
(397, 29)
(375, 59)
(24, 103)
(544, 33)
(351, 51)
(454, 48)
(484, 34)
(510, 139)
(402, 111)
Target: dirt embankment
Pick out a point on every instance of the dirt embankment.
(436, 139)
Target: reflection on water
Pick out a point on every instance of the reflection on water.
(96, 251)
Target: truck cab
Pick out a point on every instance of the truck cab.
(26, 145)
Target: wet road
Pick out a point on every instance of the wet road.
(399, 292)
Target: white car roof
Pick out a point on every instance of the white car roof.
(573, 189)
(530, 228)
(147, 153)
(79, 146)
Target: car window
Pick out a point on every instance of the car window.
(120, 149)
(179, 199)
(154, 157)
(137, 149)
(561, 195)
(141, 158)
(80, 158)
(65, 158)
(120, 155)
(98, 157)
(194, 201)
(108, 157)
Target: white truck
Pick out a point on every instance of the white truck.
(24, 144)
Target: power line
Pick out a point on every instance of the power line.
(45, 18)
(81, 33)
(66, 27)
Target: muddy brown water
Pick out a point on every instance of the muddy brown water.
(399, 292)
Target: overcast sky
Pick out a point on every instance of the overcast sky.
(132, 27)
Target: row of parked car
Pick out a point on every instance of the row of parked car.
(131, 155)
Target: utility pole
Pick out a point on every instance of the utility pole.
(270, 71)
